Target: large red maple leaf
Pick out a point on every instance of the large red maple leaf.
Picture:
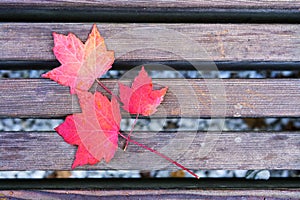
(140, 98)
(95, 130)
(81, 63)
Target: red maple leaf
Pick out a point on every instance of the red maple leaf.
(140, 98)
(81, 63)
(95, 130)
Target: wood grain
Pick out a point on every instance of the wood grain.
(291, 184)
(154, 194)
(281, 4)
(218, 42)
(43, 98)
(165, 184)
(195, 150)
(286, 12)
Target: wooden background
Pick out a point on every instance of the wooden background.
(236, 35)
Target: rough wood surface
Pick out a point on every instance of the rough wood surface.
(185, 98)
(195, 150)
(149, 183)
(286, 12)
(152, 194)
(218, 42)
(281, 4)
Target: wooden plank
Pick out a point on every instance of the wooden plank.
(282, 184)
(154, 188)
(86, 13)
(222, 42)
(282, 4)
(152, 194)
(195, 150)
(185, 98)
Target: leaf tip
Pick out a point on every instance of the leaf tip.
(54, 34)
(74, 165)
(94, 26)
(143, 72)
(95, 31)
(45, 75)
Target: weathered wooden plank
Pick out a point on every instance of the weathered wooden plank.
(195, 150)
(282, 4)
(150, 183)
(196, 13)
(169, 42)
(185, 98)
(152, 194)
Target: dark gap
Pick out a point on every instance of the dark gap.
(165, 124)
(142, 15)
(132, 174)
(167, 74)
(178, 65)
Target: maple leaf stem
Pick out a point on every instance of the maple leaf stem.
(159, 154)
(132, 127)
(108, 90)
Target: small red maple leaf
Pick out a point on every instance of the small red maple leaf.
(95, 130)
(140, 98)
(81, 63)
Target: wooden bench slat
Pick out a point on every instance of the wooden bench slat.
(154, 194)
(282, 4)
(223, 42)
(145, 11)
(156, 188)
(213, 150)
(240, 184)
(44, 98)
